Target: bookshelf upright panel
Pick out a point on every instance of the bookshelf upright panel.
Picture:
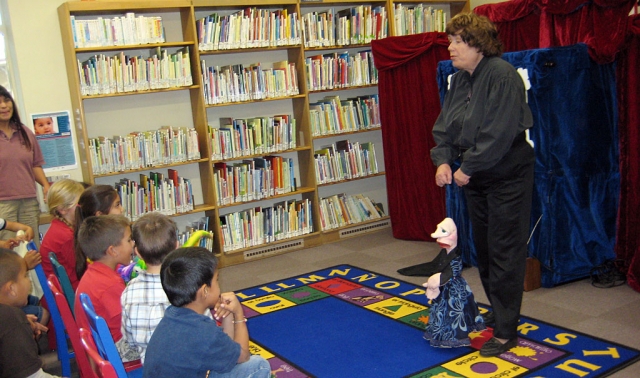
(134, 84)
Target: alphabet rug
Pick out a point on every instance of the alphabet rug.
(344, 321)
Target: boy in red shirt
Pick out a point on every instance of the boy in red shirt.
(106, 240)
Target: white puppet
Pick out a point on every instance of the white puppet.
(454, 312)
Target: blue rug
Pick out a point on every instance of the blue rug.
(344, 321)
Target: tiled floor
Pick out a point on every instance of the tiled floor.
(607, 313)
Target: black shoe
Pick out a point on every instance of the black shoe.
(493, 347)
(489, 319)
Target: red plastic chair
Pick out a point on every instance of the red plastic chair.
(100, 367)
(71, 327)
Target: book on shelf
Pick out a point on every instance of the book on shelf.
(240, 83)
(138, 150)
(340, 70)
(248, 28)
(418, 19)
(128, 29)
(318, 28)
(260, 225)
(171, 195)
(340, 210)
(120, 73)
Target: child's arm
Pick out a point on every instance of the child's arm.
(36, 327)
(15, 227)
(235, 326)
(9, 243)
(32, 258)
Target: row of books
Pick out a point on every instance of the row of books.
(236, 83)
(102, 74)
(341, 210)
(253, 179)
(419, 18)
(345, 160)
(200, 224)
(332, 115)
(248, 28)
(168, 195)
(237, 137)
(117, 31)
(356, 25)
(143, 149)
(261, 225)
(340, 70)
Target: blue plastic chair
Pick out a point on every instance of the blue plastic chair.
(63, 277)
(64, 355)
(104, 341)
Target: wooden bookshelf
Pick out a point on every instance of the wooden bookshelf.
(108, 114)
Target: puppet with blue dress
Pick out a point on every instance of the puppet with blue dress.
(454, 312)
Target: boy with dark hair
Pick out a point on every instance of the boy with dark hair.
(143, 300)
(18, 349)
(188, 343)
(106, 240)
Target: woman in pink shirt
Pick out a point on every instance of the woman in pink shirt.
(20, 168)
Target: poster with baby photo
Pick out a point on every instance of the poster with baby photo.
(53, 132)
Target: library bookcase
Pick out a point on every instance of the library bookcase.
(188, 104)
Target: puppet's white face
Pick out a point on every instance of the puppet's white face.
(446, 234)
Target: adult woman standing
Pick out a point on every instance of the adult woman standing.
(20, 168)
(482, 125)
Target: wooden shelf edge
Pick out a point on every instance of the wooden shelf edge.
(128, 171)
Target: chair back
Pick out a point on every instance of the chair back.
(63, 278)
(102, 336)
(72, 328)
(64, 356)
(100, 367)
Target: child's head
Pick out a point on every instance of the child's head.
(15, 284)
(106, 236)
(155, 235)
(95, 200)
(62, 198)
(43, 125)
(98, 200)
(187, 270)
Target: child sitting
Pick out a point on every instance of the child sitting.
(62, 199)
(32, 258)
(188, 343)
(143, 300)
(107, 242)
(18, 349)
(95, 200)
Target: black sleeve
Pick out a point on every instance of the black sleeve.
(446, 275)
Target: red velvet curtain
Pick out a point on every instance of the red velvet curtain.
(601, 24)
(409, 106)
(628, 77)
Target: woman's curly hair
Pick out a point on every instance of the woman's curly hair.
(476, 31)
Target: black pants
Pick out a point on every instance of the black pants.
(499, 204)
